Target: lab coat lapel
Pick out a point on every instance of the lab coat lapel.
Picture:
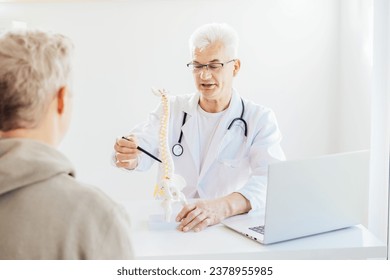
(212, 154)
(190, 131)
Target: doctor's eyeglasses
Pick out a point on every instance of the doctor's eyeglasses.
(214, 66)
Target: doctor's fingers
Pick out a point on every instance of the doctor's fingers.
(125, 157)
(192, 218)
(199, 223)
(125, 149)
(202, 225)
(124, 164)
(184, 212)
(130, 143)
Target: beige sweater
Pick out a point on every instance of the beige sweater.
(46, 214)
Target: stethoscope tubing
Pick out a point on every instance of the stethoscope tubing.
(241, 119)
(178, 150)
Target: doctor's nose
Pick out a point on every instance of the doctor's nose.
(205, 73)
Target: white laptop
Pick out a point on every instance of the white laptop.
(310, 196)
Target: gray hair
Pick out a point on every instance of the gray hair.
(34, 65)
(215, 32)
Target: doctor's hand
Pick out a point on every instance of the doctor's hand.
(126, 152)
(206, 213)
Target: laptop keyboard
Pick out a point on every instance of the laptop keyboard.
(259, 229)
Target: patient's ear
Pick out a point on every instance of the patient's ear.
(61, 100)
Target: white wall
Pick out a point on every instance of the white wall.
(354, 96)
(356, 55)
(379, 221)
(290, 53)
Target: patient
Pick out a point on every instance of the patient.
(44, 212)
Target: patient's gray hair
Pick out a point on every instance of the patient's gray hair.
(215, 32)
(34, 65)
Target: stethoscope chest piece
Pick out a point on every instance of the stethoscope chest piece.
(177, 149)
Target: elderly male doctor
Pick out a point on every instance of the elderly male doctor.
(227, 141)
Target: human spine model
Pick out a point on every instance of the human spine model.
(169, 184)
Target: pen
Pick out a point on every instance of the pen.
(144, 151)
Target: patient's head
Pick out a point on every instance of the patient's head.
(35, 72)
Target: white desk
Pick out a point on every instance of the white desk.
(219, 242)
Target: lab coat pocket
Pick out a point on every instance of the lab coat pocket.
(233, 151)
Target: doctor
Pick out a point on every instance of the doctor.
(221, 143)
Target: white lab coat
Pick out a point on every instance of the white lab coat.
(234, 163)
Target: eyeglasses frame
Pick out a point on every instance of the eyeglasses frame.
(202, 66)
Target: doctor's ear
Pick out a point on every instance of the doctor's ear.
(237, 65)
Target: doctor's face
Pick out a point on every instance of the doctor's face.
(214, 83)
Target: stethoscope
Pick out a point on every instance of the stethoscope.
(177, 149)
